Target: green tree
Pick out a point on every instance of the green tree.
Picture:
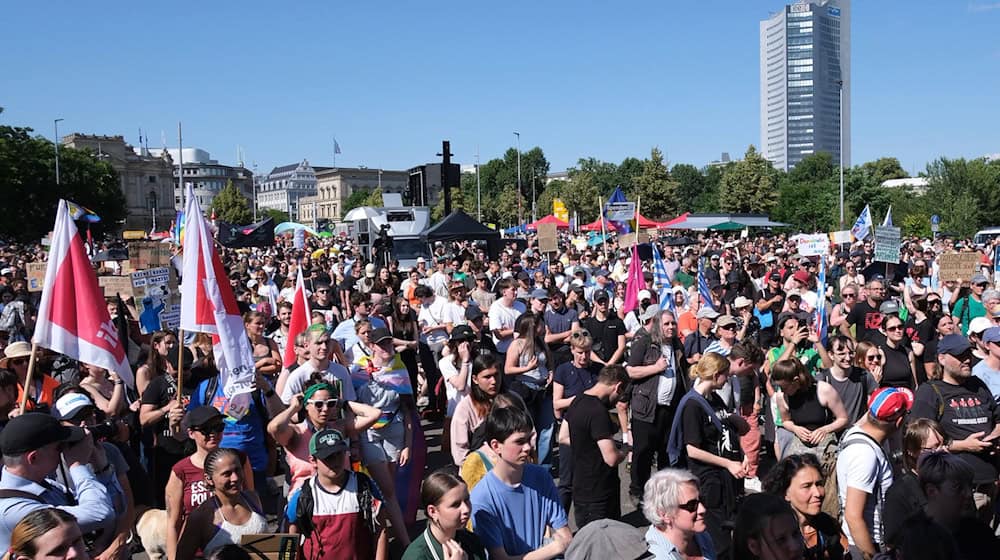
(656, 189)
(277, 215)
(555, 189)
(232, 207)
(749, 186)
(883, 169)
(580, 195)
(964, 193)
(604, 175)
(506, 208)
(357, 199)
(627, 171)
(690, 186)
(708, 200)
(461, 199)
(30, 193)
(374, 198)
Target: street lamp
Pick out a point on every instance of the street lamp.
(56, 123)
(840, 84)
(151, 203)
(479, 192)
(517, 135)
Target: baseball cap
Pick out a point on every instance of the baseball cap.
(601, 295)
(472, 312)
(648, 313)
(380, 334)
(991, 334)
(644, 294)
(35, 430)
(775, 276)
(461, 332)
(725, 321)
(421, 260)
(741, 301)
(482, 276)
(889, 307)
(979, 278)
(886, 403)
(522, 275)
(327, 442)
(71, 404)
(801, 276)
(805, 260)
(202, 416)
(539, 293)
(370, 270)
(707, 313)
(979, 324)
(954, 344)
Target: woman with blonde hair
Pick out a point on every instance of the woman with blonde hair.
(706, 441)
(46, 533)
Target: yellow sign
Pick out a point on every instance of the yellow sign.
(133, 234)
(559, 210)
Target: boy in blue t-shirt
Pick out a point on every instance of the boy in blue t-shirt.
(514, 503)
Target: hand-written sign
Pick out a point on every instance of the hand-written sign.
(36, 276)
(548, 242)
(156, 296)
(113, 285)
(958, 266)
(813, 245)
(148, 254)
(887, 244)
(627, 240)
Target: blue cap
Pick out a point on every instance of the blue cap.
(954, 344)
(539, 293)
(991, 334)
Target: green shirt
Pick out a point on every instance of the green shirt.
(684, 278)
(975, 309)
(419, 549)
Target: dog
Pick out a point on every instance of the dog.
(151, 528)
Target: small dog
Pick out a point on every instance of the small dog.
(151, 528)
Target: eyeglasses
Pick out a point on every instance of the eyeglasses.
(849, 295)
(873, 358)
(690, 506)
(321, 404)
(212, 429)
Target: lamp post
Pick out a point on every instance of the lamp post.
(517, 136)
(840, 115)
(479, 192)
(56, 123)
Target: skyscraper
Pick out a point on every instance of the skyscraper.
(805, 59)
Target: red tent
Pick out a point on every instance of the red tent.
(550, 219)
(596, 226)
(646, 223)
(668, 223)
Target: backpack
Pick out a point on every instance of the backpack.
(831, 503)
(366, 506)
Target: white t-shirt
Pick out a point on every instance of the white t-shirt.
(334, 371)
(432, 316)
(503, 317)
(454, 313)
(863, 465)
(668, 378)
(448, 370)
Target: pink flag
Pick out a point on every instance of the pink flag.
(635, 283)
(73, 318)
(299, 322)
(209, 306)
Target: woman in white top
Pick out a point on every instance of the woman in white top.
(455, 366)
(231, 513)
(527, 374)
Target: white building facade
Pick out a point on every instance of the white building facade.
(282, 188)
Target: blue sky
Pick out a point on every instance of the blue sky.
(393, 79)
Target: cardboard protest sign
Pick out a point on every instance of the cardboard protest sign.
(156, 299)
(113, 285)
(548, 242)
(148, 254)
(629, 239)
(957, 266)
(36, 276)
(813, 245)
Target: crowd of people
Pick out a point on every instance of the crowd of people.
(755, 410)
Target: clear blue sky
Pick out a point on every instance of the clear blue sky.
(392, 79)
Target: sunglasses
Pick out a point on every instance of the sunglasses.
(325, 403)
(849, 295)
(728, 328)
(982, 285)
(212, 429)
(18, 361)
(894, 328)
(874, 358)
(690, 506)
(322, 291)
(580, 333)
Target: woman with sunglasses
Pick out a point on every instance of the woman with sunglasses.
(899, 369)
(798, 479)
(186, 488)
(324, 409)
(672, 503)
(848, 297)
(870, 358)
(850, 276)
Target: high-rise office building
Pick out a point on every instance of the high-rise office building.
(805, 67)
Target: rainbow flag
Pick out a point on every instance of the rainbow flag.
(394, 377)
(177, 231)
(78, 213)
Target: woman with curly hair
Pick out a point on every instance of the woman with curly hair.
(799, 480)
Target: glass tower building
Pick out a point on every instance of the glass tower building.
(805, 66)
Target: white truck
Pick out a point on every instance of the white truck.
(403, 225)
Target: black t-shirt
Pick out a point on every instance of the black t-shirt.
(589, 422)
(605, 334)
(160, 391)
(896, 372)
(866, 319)
(701, 432)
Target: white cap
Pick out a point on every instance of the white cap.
(70, 404)
(370, 270)
(644, 294)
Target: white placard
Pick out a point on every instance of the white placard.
(813, 245)
(621, 211)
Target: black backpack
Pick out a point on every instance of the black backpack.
(305, 504)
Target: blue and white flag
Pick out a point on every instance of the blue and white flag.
(703, 291)
(863, 225)
(617, 197)
(336, 146)
(888, 217)
(661, 282)
(819, 314)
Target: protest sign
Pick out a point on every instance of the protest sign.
(841, 237)
(36, 276)
(547, 239)
(629, 239)
(148, 254)
(156, 299)
(887, 242)
(112, 285)
(813, 245)
(957, 266)
(621, 211)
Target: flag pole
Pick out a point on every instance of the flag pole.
(604, 231)
(27, 379)
(180, 365)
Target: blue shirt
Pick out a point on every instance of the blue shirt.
(347, 337)
(93, 507)
(245, 434)
(515, 517)
(989, 376)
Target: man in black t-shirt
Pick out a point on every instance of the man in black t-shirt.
(865, 315)
(607, 330)
(595, 455)
(964, 408)
(769, 305)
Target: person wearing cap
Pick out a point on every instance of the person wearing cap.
(864, 472)
(41, 393)
(769, 303)
(988, 370)
(608, 331)
(503, 315)
(697, 343)
(481, 294)
(977, 327)
(747, 325)
(381, 381)
(964, 408)
(971, 305)
(632, 319)
(34, 445)
(455, 368)
(476, 321)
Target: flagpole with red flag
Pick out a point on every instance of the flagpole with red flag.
(299, 322)
(635, 283)
(73, 317)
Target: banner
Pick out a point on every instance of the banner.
(887, 244)
(957, 266)
(260, 234)
(841, 237)
(621, 211)
(813, 245)
(156, 299)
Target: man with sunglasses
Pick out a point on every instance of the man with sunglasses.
(865, 316)
(971, 305)
(966, 411)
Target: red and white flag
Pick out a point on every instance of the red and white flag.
(73, 317)
(209, 306)
(299, 322)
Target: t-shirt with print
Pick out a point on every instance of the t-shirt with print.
(161, 390)
(867, 320)
(515, 518)
(864, 466)
(594, 482)
(339, 531)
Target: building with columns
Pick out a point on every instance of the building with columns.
(335, 185)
